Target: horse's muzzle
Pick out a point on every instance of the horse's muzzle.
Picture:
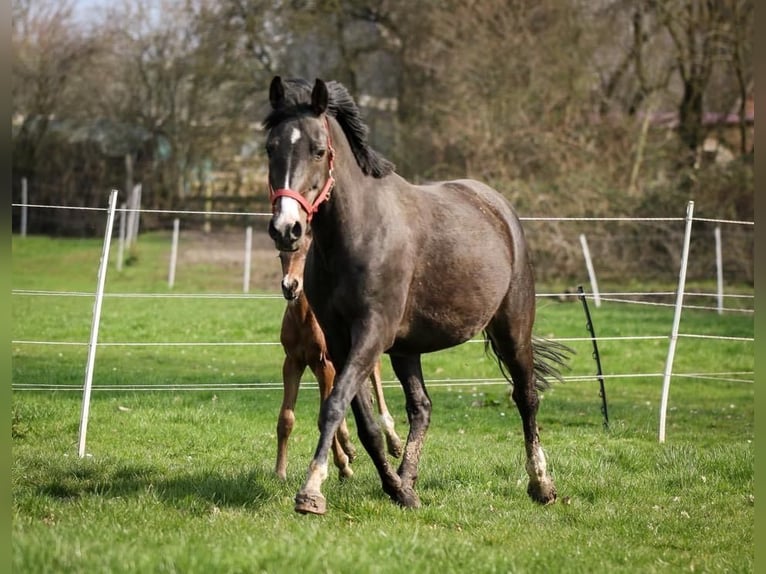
(287, 238)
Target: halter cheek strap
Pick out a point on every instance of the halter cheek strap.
(324, 194)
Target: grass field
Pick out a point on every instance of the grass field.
(179, 478)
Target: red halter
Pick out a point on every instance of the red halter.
(324, 194)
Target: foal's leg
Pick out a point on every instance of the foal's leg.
(354, 368)
(410, 375)
(385, 419)
(292, 370)
(342, 449)
(516, 352)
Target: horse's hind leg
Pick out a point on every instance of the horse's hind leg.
(393, 441)
(410, 375)
(292, 370)
(513, 344)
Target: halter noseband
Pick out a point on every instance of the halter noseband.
(324, 194)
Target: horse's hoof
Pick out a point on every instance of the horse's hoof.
(543, 492)
(407, 498)
(281, 475)
(310, 503)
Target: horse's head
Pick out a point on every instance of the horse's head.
(300, 163)
(293, 263)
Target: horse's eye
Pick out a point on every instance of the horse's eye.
(319, 154)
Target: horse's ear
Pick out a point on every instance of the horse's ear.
(277, 93)
(319, 97)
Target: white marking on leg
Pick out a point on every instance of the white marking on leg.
(542, 465)
(315, 476)
(536, 465)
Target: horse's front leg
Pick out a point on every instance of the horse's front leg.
(353, 370)
(310, 499)
(372, 439)
(342, 449)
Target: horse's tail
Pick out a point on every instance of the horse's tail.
(550, 357)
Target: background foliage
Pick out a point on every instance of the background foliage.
(569, 108)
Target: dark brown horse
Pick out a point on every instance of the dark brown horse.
(304, 346)
(401, 269)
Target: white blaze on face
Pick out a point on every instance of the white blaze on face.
(289, 212)
(289, 209)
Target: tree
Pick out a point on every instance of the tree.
(692, 53)
(48, 55)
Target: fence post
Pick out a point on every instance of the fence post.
(133, 233)
(591, 271)
(95, 324)
(248, 252)
(121, 243)
(24, 203)
(676, 320)
(208, 205)
(173, 254)
(719, 267)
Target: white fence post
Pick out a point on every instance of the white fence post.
(133, 234)
(591, 271)
(719, 267)
(173, 254)
(248, 252)
(134, 206)
(676, 320)
(95, 324)
(121, 243)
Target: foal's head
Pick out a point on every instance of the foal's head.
(300, 162)
(293, 263)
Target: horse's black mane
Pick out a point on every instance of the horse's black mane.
(344, 109)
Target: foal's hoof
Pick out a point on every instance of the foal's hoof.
(407, 498)
(345, 472)
(543, 492)
(350, 452)
(310, 503)
(395, 447)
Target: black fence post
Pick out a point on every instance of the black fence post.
(596, 357)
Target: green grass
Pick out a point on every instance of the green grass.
(181, 480)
